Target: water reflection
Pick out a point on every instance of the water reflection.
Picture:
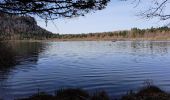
(7, 56)
(17, 53)
(13, 53)
(89, 65)
(150, 47)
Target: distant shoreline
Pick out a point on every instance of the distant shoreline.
(66, 40)
(135, 34)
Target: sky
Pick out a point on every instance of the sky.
(118, 15)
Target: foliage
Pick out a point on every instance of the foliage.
(146, 93)
(51, 9)
(21, 27)
(69, 94)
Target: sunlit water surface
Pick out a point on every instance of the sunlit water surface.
(115, 67)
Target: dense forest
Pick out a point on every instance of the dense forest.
(21, 27)
(15, 27)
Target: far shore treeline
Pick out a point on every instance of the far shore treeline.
(15, 27)
(161, 33)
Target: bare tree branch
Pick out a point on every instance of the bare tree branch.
(157, 9)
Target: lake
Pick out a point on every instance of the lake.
(115, 67)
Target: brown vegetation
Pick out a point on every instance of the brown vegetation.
(161, 33)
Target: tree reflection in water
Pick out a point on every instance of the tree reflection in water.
(7, 56)
(17, 53)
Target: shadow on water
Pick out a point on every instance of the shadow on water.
(14, 53)
(7, 57)
(17, 53)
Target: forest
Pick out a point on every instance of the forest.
(15, 27)
(160, 33)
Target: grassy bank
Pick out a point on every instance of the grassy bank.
(146, 93)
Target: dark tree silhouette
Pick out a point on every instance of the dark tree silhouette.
(51, 9)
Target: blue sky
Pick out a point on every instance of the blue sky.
(118, 15)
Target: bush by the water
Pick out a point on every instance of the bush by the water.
(147, 93)
(69, 94)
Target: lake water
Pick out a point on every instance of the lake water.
(115, 67)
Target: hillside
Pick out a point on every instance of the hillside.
(21, 27)
(26, 28)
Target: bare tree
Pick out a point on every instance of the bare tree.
(51, 9)
(158, 9)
